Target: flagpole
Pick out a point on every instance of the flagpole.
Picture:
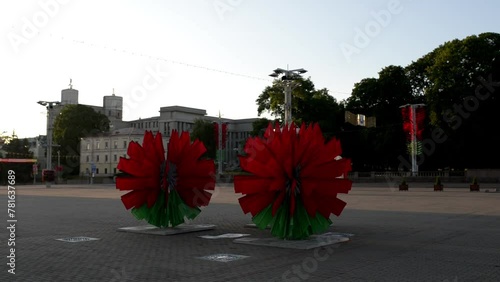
(220, 146)
(414, 165)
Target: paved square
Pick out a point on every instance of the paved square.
(415, 235)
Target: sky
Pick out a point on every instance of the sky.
(209, 54)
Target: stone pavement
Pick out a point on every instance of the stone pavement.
(418, 235)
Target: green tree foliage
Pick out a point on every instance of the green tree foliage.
(204, 131)
(460, 83)
(378, 148)
(259, 127)
(73, 123)
(17, 149)
(308, 105)
(381, 97)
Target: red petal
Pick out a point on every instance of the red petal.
(277, 203)
(152, 197)
(135, 151)
(136, 183)
(249, 184)
(310, 205)
(195, 197)
(206, 183)
(134, 199)
(255, 203)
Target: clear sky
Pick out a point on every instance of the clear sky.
(210, 54)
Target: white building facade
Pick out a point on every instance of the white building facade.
(100, 154)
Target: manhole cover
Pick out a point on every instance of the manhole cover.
(223, 257)
(77, 239)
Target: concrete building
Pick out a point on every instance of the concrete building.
(100, 151)
(112, 107)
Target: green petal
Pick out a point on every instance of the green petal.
(299, 226)
(169, 214)
(264, 218)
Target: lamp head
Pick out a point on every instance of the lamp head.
(301, 71)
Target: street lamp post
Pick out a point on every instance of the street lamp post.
(50, 107)
(288, 76)
(58, 165)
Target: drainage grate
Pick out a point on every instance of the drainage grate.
(223, 257)
(77, 239)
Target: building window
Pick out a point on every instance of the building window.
(115, 144)
(88, 159)
(97, 145)
(106, 158)
(96, 171)
(97, 158)
(125, 144)
(114, 158)
(105, 171)
(88, 146)
(106, 144)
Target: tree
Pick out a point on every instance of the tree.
(308, 105)
(381, 97)
(203, 130)
(73, 123)
(259, 127)
(378, 148)
(460, 80)
(17, 149)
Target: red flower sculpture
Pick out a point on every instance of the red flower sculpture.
(294, 182)
(165, 191)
